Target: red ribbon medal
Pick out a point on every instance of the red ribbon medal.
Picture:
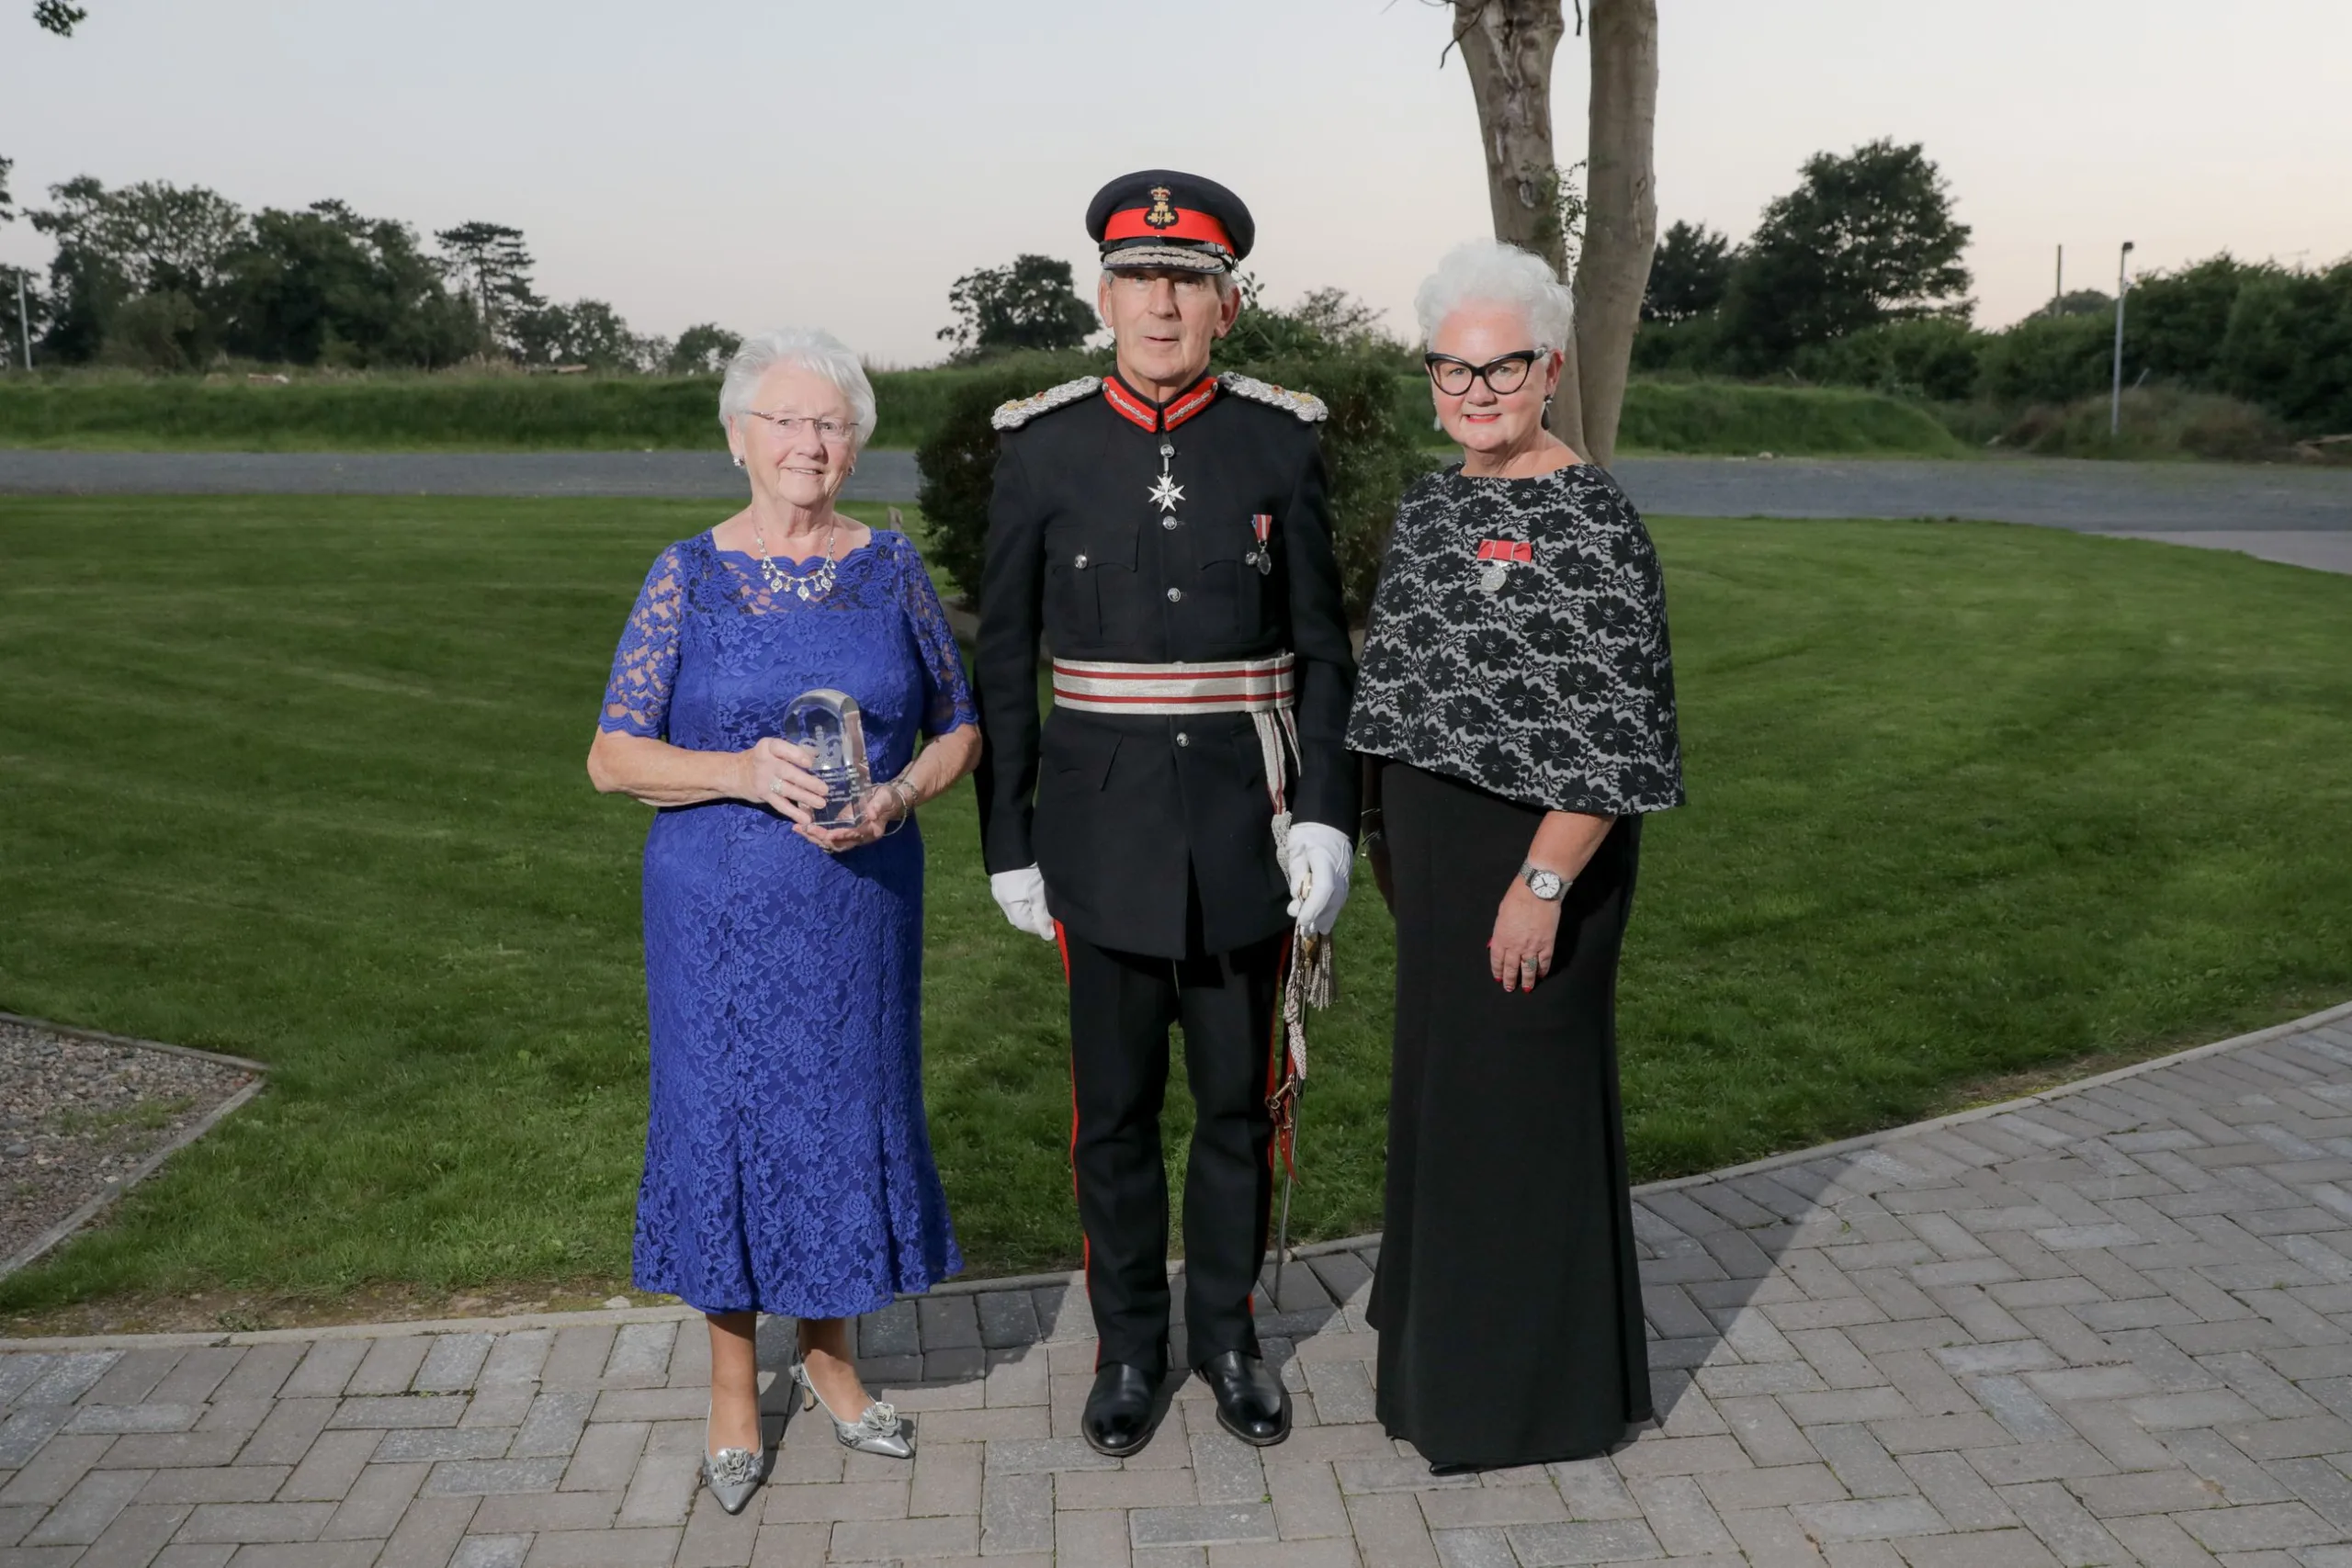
(1263, 525)
(1498, 556)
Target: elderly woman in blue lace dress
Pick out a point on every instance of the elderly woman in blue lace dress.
(788, 1162)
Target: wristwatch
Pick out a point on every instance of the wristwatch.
(1548, 886)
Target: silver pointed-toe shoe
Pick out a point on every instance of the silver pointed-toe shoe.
(733, 1475)
(879, 1431)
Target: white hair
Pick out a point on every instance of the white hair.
(1491, 273)
(820, 353)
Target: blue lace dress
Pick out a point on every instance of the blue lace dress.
(787, 1163)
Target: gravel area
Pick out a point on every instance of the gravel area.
(80, 1117)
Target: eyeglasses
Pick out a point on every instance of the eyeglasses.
(831, 432)
(1503, 376)
(1185, 282)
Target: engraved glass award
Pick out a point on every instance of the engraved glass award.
(827, 725)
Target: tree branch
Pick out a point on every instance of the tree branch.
(1468, 12)
(59, 16)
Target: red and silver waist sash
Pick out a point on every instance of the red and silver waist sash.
(1266, 689)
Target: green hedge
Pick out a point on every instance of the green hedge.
(420, 412)
(1372, 454)
(413, 413)
(1733, 419)
(519, 413)
(2278, 337)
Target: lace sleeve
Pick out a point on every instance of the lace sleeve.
(948, 695)
(645, 666)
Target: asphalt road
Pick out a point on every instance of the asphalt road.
(2300, 516)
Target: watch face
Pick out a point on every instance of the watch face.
(1546, 885)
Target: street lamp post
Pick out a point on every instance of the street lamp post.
(23, 321)
(2122, 285)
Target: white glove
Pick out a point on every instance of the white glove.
(1022, 896)
(1317, 866)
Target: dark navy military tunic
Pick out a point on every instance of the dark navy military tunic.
(1131, 818)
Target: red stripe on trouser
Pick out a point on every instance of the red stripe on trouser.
(1085, 1246)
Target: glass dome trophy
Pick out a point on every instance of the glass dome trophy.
(827, 725)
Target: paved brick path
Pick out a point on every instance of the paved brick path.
(2110, 1325)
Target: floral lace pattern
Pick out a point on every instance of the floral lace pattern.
(788, 1159)
(1518, 642)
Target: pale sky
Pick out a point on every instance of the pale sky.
(840, 164)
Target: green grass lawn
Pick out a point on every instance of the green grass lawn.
(301, 780)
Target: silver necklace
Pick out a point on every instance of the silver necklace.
(816, 585)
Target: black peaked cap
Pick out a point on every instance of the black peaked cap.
(1166, 218)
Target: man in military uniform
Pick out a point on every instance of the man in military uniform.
(1167, 531)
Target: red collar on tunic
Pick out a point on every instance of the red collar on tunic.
(1155, 417)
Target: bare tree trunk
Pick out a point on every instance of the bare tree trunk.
(1621, 225)
(1508, 46)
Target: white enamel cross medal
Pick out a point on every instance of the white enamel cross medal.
(1166, 493)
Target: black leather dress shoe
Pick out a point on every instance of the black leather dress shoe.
(1250, 1400)
(1118, 1409)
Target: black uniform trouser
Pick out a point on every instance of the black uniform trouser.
(1121, 1005)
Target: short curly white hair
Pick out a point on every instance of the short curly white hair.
(819, 353)
(1489, 272)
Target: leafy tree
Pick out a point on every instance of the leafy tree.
(586, 331)
(1932, 357)
(160, 330)
(1031, 304)
(1866, 238)
(2177, 320)
(2084, 302)
(8, 203)
(496, 268)
(1689, 275)
(156, 234)
(702, 349)
(114, 246)
(326, 285)
(2047, 359)
(1325, 322)
(58, 16)
(2289, 346)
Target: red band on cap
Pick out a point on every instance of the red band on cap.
(1189, 225)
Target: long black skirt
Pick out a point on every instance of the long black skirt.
(1507, 1299)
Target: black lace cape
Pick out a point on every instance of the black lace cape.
(1547, 681)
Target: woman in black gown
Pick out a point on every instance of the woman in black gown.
(1515, 709)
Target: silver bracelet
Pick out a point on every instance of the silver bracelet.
(906, 793)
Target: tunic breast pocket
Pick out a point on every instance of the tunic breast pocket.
(1089, 579)
(1235, 576)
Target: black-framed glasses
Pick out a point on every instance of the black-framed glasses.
(1503, 374)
